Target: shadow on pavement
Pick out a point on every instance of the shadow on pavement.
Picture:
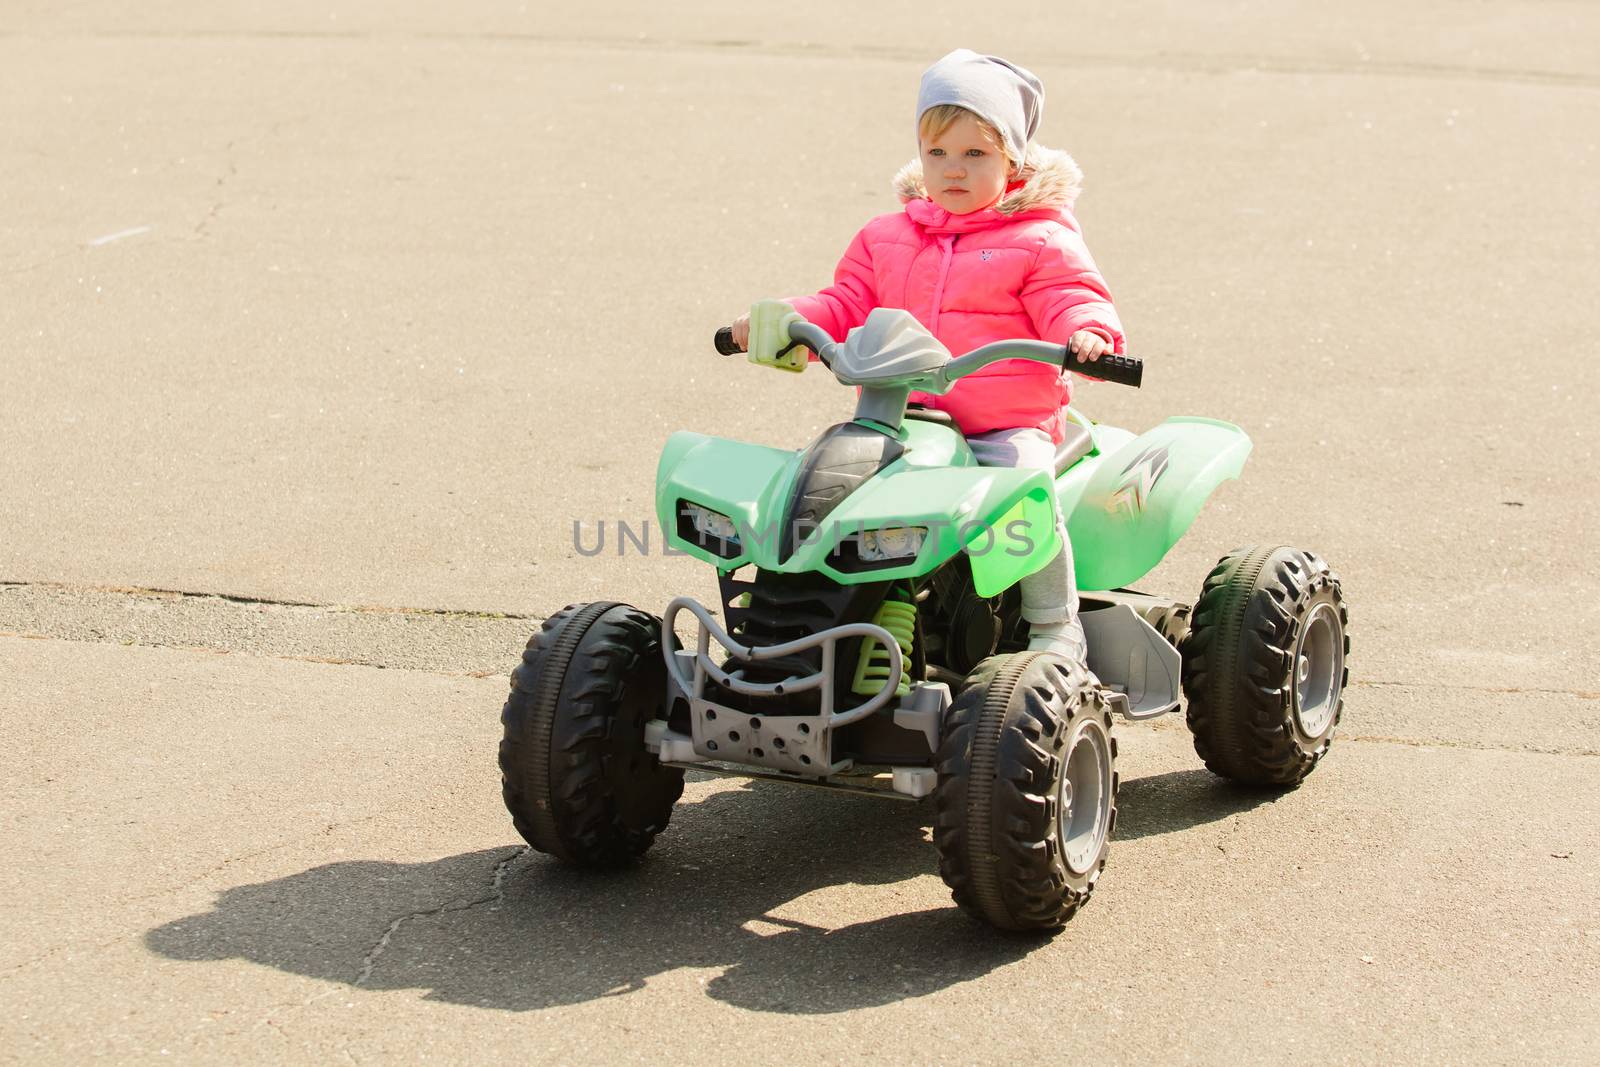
(1177, 800)
(502, 929)
(552, 935)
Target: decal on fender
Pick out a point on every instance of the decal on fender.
(1139, 480)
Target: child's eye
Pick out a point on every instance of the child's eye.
(935, 151)
(975, 152)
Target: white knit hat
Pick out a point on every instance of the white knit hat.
(1001, 93)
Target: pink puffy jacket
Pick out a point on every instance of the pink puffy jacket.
(1018, 269)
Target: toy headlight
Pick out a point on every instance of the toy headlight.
(710, 523)
(893, 542)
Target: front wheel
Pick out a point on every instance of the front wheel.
(575, 773)
(1026, 800)
(1264, 665)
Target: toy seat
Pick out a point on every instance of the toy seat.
(914, 411)
(1078, 443)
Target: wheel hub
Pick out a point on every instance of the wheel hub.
(1319, 670)
(1083, 808)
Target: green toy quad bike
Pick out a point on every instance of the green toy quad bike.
(873, 641)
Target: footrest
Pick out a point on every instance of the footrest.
(796, 743)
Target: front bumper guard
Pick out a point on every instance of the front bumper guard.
(793, 744)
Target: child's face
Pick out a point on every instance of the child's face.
(964, 168)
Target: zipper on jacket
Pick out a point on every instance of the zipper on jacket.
(949, 242)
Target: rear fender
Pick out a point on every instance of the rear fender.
(1129, 505)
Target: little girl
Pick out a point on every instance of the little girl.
(986, 249)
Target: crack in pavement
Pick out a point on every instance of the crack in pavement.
(452, 643)
(1581, 694)
(443, 642)
(155, 593)
(231, 860)
(63, 591)
(1229, 830)
(1475, 746)
(245, 599)
(496, 893)
(216, 208)
(279, 1013)
(1174, 724)
(102, 946)
(331, 661)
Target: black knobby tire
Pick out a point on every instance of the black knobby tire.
(1005, 850)
(1171, 622)
(1265, 614)
(575, 774)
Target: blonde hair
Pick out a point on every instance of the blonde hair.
(940, 117)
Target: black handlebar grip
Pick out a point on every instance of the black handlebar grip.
(724, 342)
(1123, 370)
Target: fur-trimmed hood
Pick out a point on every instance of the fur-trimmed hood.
(1050, 179)
(1017, 269)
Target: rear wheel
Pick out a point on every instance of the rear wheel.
(1026, 800)
(1171, 621)
(1264, 665)
(575, 774)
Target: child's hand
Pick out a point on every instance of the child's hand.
(741, 332)
(1087, 345)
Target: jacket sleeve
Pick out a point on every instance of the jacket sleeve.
(845, 304)
(1064, 292)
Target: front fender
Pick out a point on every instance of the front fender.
(731, 477)
(1130, 505)
(1001, 516)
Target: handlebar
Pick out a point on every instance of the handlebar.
(1123, 370)
(800, 333)
(1120, 370)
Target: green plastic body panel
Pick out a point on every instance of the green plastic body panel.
(1001, 515)
(1129, 504)
(1021, 540)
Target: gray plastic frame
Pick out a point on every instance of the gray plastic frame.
(794, 744)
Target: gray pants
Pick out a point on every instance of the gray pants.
(1049, 595)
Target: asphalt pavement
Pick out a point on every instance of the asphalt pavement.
(322, 326)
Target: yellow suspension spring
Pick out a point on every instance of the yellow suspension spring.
(872, 668)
